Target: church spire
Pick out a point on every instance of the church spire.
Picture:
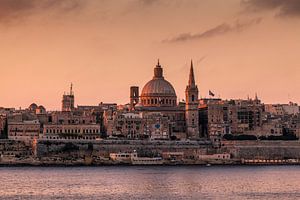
(191, 106)
(191, 77)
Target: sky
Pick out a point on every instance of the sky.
(239, 48)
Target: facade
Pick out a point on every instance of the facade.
(25, 130)
(125, 124)
(282, 109)
(72, 125)
(134, 125)
(219, 117)
(245, 115)
(2, 125)
(75, 117)
(71, 131)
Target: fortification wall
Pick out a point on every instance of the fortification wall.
(103, 148)
(263, 149)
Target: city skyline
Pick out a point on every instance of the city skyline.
(192, 99)
(239, 48)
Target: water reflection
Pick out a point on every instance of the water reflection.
(273, 182)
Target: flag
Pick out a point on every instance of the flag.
(211, 93)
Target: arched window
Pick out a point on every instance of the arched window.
(193, 98)
(152, 101)
(155, 101)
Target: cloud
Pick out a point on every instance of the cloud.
(216, 31)
(148, 2)
(11, 10)
(283, 8)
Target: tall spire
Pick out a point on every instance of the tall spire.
(191, 77)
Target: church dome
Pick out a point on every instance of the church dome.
(158, 91)
(33, 107)
(157, 87)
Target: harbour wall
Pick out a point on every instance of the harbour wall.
(73, 152)
(103, 148)
(262, 149)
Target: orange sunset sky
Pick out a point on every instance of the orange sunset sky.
(239, 47)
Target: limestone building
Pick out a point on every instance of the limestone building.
(24, 130)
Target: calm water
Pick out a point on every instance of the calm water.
(269, 182)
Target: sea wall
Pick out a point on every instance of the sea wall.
(105, 147)
(78, 152)
(263, 149)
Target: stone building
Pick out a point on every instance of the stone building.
(219, 117)
(72, 125)
(135, 125)
(282, 109)
(25, 130)
(125, 124)
(245, 115)
(214, 119)
(2, 126)
(71, 131)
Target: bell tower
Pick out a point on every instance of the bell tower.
(191, 107)
(134, 96)
(68, 100)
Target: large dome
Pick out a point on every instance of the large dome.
(158, 87)
(158, 91)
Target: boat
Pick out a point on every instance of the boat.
(132, 157)
(147, 161)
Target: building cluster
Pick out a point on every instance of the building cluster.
(153, 114)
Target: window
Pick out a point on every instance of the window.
(193, 98)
